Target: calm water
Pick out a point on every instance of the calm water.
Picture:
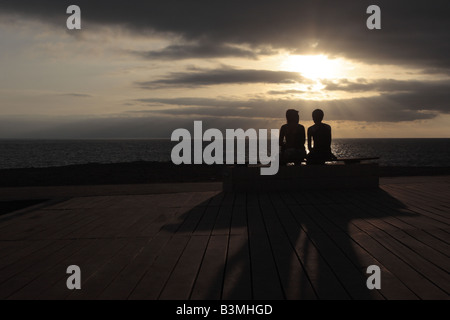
(49, 153)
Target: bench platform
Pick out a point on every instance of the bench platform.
(354, 160)
(326, 177)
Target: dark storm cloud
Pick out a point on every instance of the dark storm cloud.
(414, 33)
(201, 51)
(207, 77)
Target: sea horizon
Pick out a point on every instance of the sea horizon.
(42, 153)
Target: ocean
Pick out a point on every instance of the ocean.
(55, 153)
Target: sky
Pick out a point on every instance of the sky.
(141, 69)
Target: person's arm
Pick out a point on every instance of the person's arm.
(282, 135)
(309, 139)
(303, 137)
(332, 156)
(329, 136)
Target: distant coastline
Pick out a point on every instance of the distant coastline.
(143, 172)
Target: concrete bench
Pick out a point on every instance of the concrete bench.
(334, 176)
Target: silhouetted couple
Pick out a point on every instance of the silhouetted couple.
(292, 140)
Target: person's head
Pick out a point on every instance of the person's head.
(292, 116)
(317, 116)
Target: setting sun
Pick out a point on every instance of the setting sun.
(313, 67)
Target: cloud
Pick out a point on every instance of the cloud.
(112, 127)
(414, 33)
(420, 96)
(382, 108)
(422, 99)
(208, 77)
(202, 51)
(77, 95)
(386, 85)
(281, 92)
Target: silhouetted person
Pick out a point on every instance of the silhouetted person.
(319, 140)
(292, 139)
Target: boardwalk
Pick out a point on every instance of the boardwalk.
(214, 245)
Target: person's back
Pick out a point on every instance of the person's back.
(320, 134)
(292, 139)
(294, 136)
(319, 140)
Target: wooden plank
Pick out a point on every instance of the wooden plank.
(265, 281)
(427, 252)
(98, 281)
(197, 199)
(421, 207)
(111, 226)
(89, 260)
(168, 221)
(132, 220)
(361, 258)
(76, 229)
(420, 285)
(223, 222)
(21, 250)
(432, 191)
(17, 225)
(238, 224)
(125, 282)
(429, 240)
(56, 273)
(442, 235)
(180, 283)
(418, 247)
(294, 281)
(414, 219)
(210, 279)
(97, 261)
(34, 270)
(339, 255)
(34, 258)
(156, 276)
(217, 199)
(189, 221)
(437, 276)
(252, 199)
(318, 271)
(207, 222)
(228, 199)
(434, 199)
(149, 223)
(240, 199)
(238, 278)
(65, 228)
(392, 288)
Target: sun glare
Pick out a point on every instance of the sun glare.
(313, 67)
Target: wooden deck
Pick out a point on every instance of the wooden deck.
(216, 245)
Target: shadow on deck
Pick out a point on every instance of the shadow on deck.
(297, 245)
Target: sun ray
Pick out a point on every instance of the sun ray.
(313, 67)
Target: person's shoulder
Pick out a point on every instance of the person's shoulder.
(283, 127)
(301, 126)
(312, 127)
(326, 125)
